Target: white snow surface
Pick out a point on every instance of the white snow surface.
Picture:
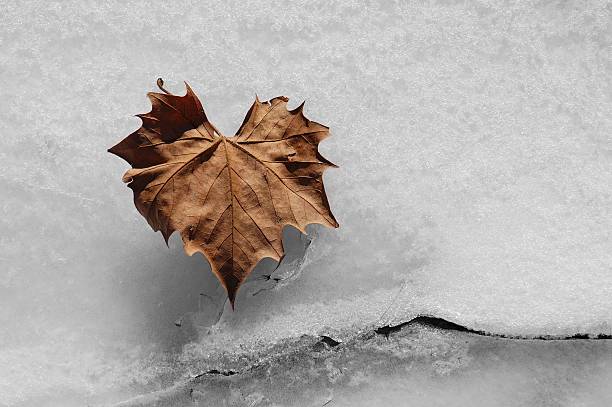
(474, 144)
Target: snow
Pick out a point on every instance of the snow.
(418, 366)
(475, 153)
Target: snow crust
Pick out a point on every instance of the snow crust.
(475, 149)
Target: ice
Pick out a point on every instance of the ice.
(475, 152)
(418, 366)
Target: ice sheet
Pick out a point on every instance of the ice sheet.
(418, 366)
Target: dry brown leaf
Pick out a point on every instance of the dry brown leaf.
(229, 197)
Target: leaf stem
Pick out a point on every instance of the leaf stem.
(160, 84)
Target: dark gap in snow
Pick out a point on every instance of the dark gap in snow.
(331, 342)
(443, 324)
(217, 372)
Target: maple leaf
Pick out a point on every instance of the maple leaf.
(229, 197)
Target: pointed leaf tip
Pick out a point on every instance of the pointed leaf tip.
(300, 108)
(189, 90)
(231, 296)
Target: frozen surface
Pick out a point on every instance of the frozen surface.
(475, 150)
(420, 366)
